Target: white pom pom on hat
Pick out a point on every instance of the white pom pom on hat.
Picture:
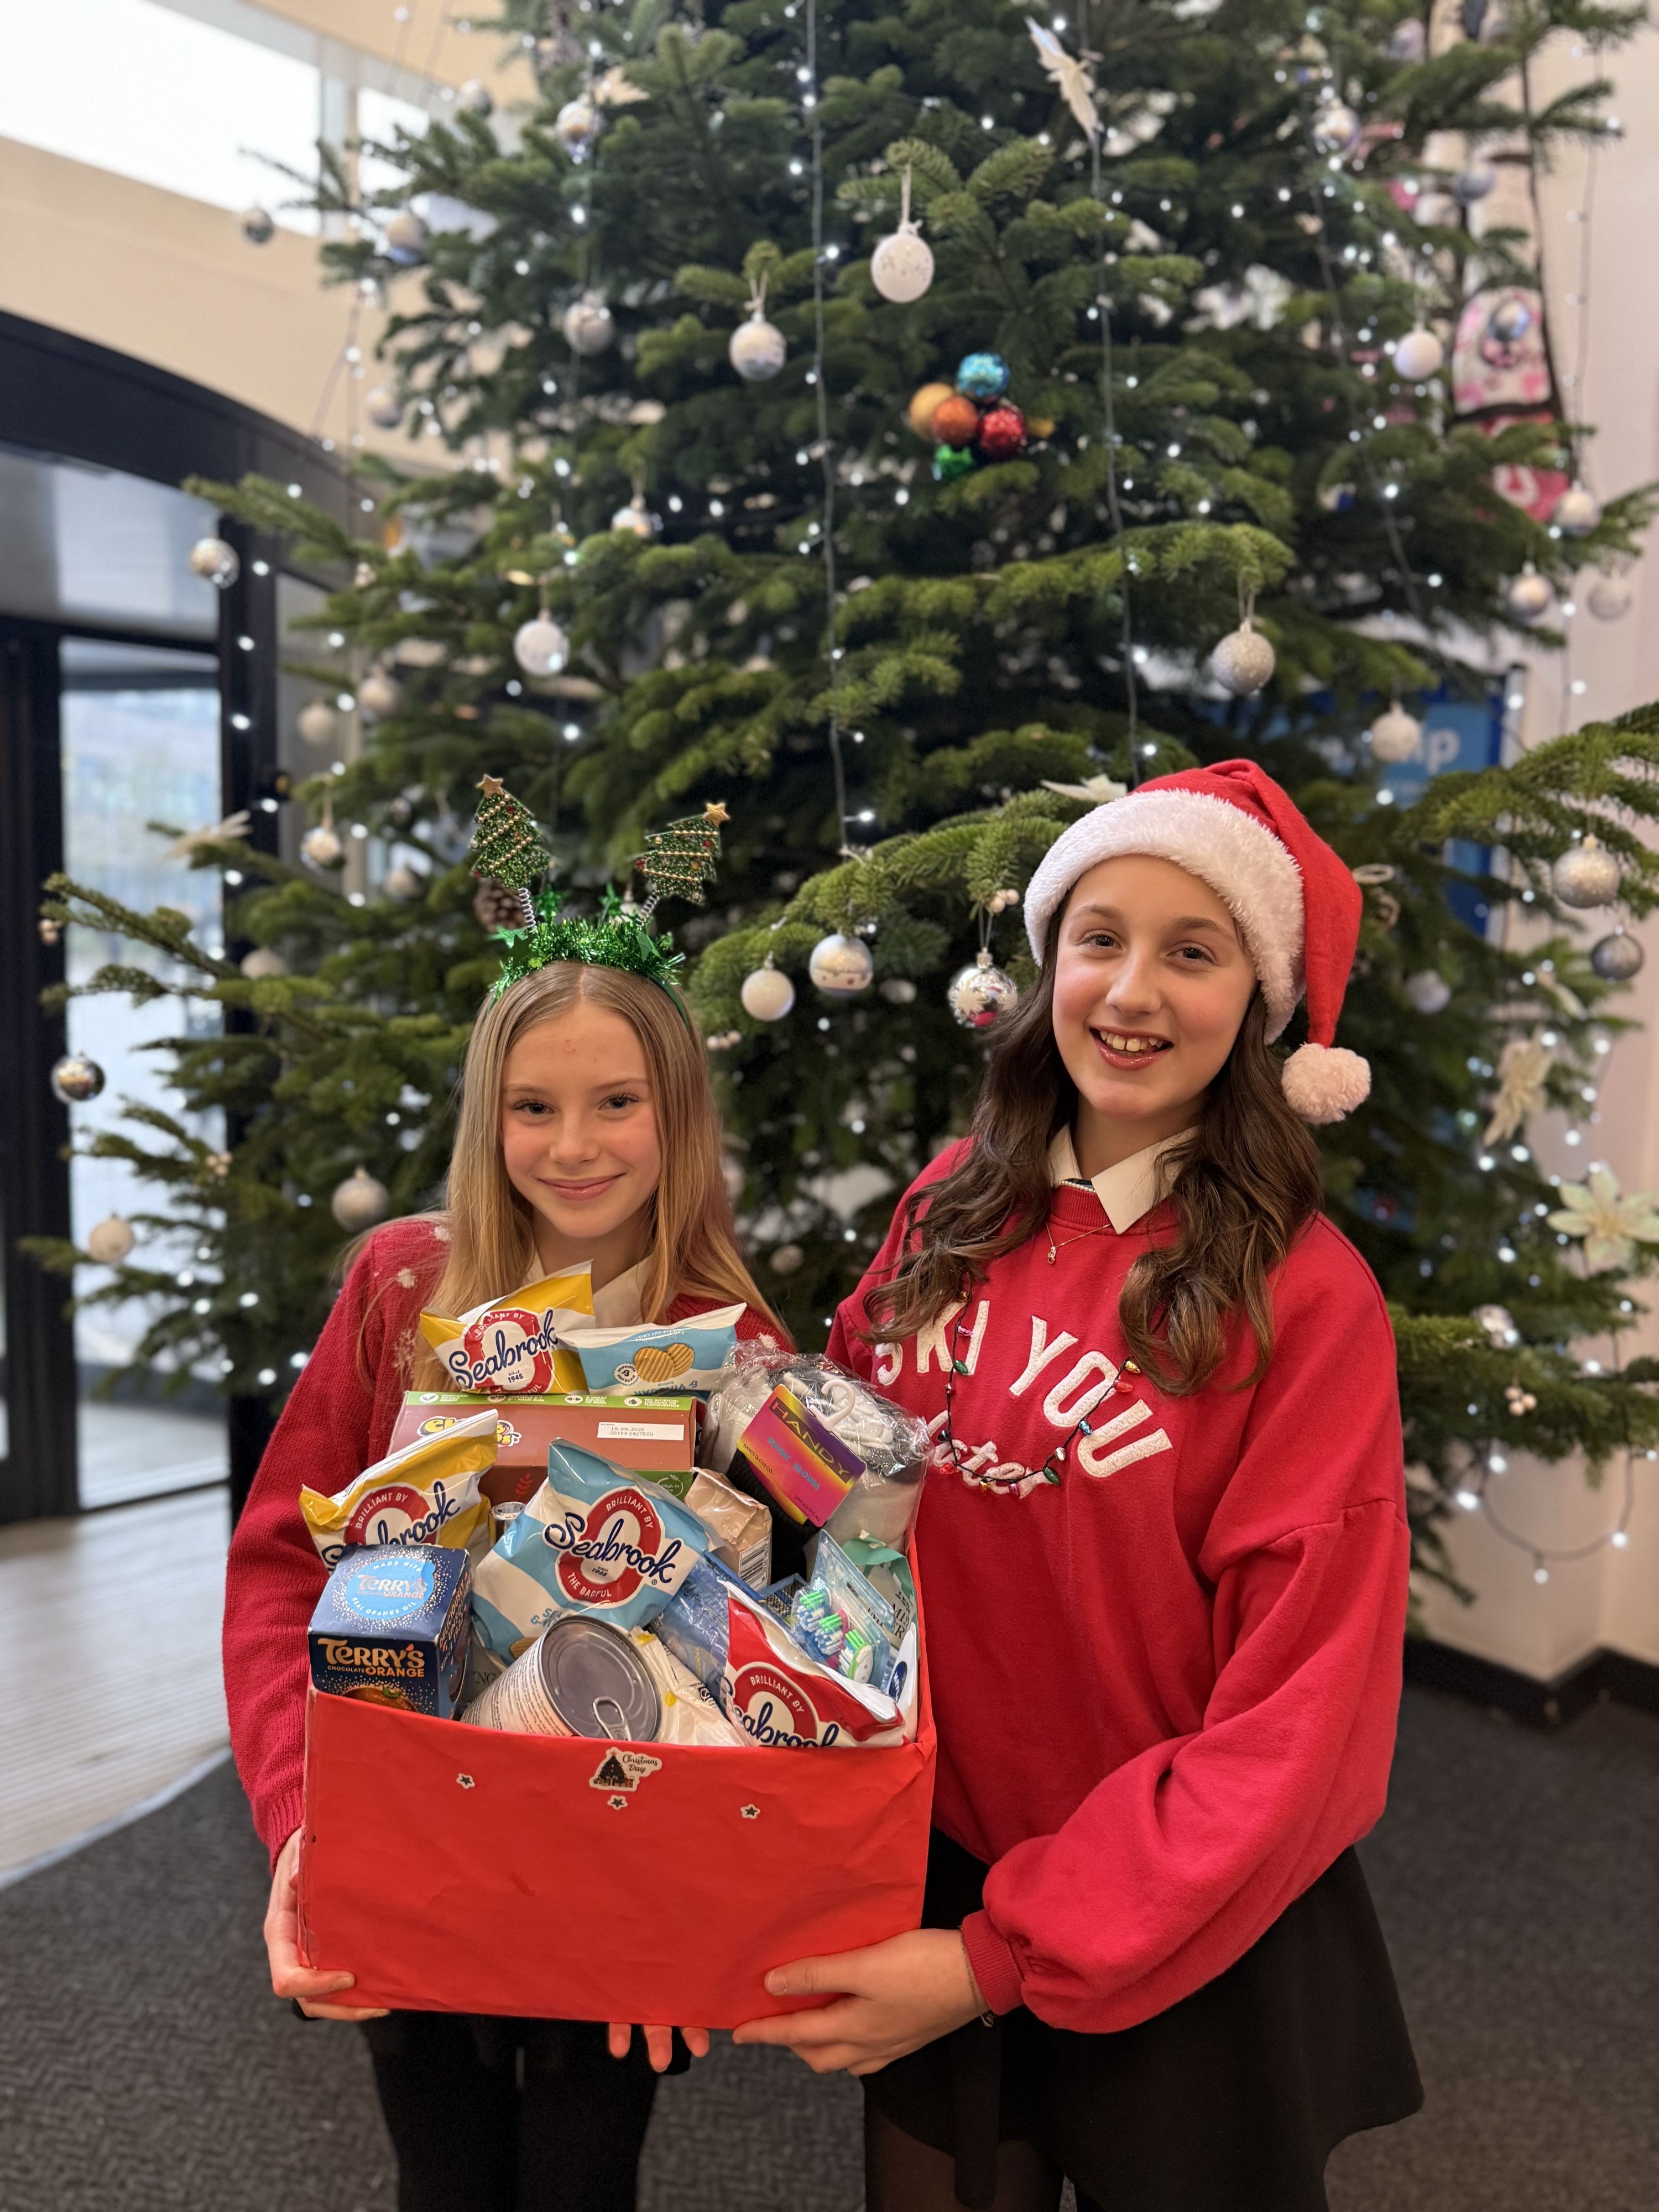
(1296, 903)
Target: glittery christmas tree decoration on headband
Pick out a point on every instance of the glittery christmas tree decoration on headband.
(505, 848)
(678, 861)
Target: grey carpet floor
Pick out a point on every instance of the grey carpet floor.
(144, 2065)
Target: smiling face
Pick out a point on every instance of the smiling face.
(1151, 985)
(580, 1138)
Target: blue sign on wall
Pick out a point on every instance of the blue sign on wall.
(1457, 733)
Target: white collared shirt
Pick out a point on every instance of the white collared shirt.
(1126, 1192)
(616, 1306)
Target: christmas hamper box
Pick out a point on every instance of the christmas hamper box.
(656, 1433)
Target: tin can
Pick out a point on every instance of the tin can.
(579, 1678)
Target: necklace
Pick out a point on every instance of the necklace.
(1126, 1377)
(1099, 1230)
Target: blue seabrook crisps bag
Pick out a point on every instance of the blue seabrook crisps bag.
(595, 1538)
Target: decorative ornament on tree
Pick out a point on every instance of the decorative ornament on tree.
(981, 377)
(1523, 1067)
(1396, 736)
(380, 694)
(1609, 599)
(110, 1241)
(951, 462)
(1073, 79)
(406, 238)
(635, 519)
(923, 405)
(786, 1259)
(322, 846)
(577, 126)
(359, 1201)
(1586, 875)
(1473, 183)
(757, 350)
(1509, 321)
(1498, 1323)
(363, 576)
(1616, 958)
(1518, 1401)
(217, 562)
(257, 225)
(475, 98)
(902, 266)
(405, 884)
(1244, 661)
(1335, 127)
(1611, 1223)
(506, 847)
(1418, 356)
(317, 723)
(76, 1079)
(383, 407)
(1529, 598)
(766, 994)
(1429, 993)
(1577, 512)
(956, 421)
(262, 965)
(540, 647)
(841, 965)
(589, 325)
(679, 859)
(981, 995)
(1002, 434)
(898, 990)
(1407, 40)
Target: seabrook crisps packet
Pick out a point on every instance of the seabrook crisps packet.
(511, 1343)
(426, 1493)
(668, 1355)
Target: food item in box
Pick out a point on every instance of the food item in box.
(830, 1449)
(690, 1712)
(510, 1343)
(740, 1527)
(391, 1626)
(656, 1435)
(676, 1355)
(429, 1492)
(777, 1693)
(596, 1538)
(578, 1678)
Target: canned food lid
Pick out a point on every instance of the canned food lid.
(598, 1683)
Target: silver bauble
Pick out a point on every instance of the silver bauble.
(1509, 321)
(1616, 958)
(1586, 875)
(540, 647)
(899, 991)
(841, 965)
(475, 98)
(786, 1259)
(1498, 1323)
(317, 723)
(110, 1241)
(212, 559)
(1418, 356)
(76, 1078)
(404, 883)
(1577, 512)
(1244, 661)
(1429, 993)
(380, 694)
(322, 847)
(383, 407)
(1609, 599)
(635, 519)
(257, 225)
(1407, 40)
(1396, 736)
(766, 994)
(576, 126)
(262, 965)
(359, 1201)
(588, 325)
(1529, 598)
(1473, 183)
(981, 995)
(757, 350)
(406, 238)
(902, 266)
(1335, 128)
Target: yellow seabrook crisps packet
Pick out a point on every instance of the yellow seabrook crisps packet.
(426, 1493)
(511, 1342)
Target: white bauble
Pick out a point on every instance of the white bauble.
(589, 325)
(1418, 356)
(786, 1259)
(902, 266)
(635, 519)
(404, 883)
(1529, 598)
(1434, 210)
(1577, 512)
(215, 561)
(317, 723)
(109, 1241)
(475, 98)
(576, 126)
(1499, 1323)
(359, 1201)
(767, 994)
(1473, 183)
(757, 350)
(1609, 599)
(262, 965)
(380, 694)
(1244, 661)
(981, 995)
(1396, 736)
(1586, 875)
(1335, 128)
(406, 238)
(322, 847)
(383, 408)
(898, 990)
(540, 647)
(257, 225)
(1428, 993)
(841, 965)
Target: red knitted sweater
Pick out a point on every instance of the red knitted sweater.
(337, 1422)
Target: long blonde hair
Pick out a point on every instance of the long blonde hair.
(491, 1229)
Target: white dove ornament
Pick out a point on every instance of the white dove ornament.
(1073, 79)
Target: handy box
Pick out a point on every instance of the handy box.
(462, 1869)
(654, 1434)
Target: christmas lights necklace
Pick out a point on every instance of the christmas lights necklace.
(1127, 1377)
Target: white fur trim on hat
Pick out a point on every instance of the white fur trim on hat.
(1323, 1082)
(1242, 862)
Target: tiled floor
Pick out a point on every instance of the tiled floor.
(109, 1646)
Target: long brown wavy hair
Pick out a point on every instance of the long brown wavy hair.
(491, 1244)
(1246, 1183)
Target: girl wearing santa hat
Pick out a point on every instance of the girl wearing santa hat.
(1164, 1553)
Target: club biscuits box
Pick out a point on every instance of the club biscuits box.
(391, 1626)
(653, 1434)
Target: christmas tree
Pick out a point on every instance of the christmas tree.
(911, 425)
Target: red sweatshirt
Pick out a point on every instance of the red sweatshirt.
(337, 1422)
(1165, 1686)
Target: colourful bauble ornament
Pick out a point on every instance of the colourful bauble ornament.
(1609, 599)
(902, 266)
(588, 325)
(1577, 512)
(475, 98)
(1586, 875)
(405, 884)
(540, 647)
(1429, 993)
(359, 1201)
(576, 126)
(406, 238)
(1529, 598)
(1473, 183)
(257, 225)
(77, 1078)
(1396, 736)
(953, 461)
(981, 995)
(263, 965)
(317, 723)
(921, 411)
(1244, 661)
(1002, 434)
(322, 847)
(218, 564)
(1616, 958)
(956, 421)
(380, 694)
(383, 407)
(757, 351)
(111, 1240)
(766, 994)
(1335, 128)
(898, 990)
(635, 519)
(1418, 356)
(841, 965)
(981, 376)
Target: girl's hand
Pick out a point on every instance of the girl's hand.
(658, 2043)
(288, 1976)
(892, 1998)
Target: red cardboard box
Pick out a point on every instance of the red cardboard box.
(463, 1869)
(652, 1434)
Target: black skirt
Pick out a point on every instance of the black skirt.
(1230, 2101)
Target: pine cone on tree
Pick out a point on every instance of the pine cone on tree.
(496, 907)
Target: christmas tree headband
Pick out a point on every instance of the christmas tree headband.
(678, 861)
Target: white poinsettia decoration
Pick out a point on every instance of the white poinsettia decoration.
(1522, 1068)
(1094, 791)
(1610, 1224)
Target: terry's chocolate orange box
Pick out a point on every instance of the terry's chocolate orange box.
(654, 1434)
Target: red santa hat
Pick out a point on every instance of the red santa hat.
(1296, 903)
